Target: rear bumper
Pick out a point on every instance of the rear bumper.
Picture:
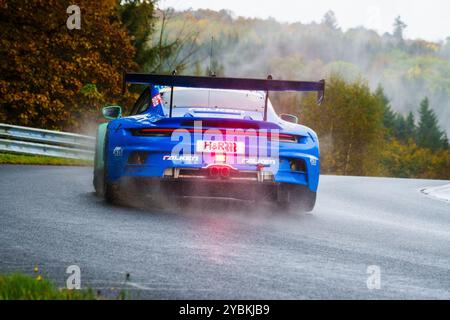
(232, 189)
(162, 152)
(308, 177)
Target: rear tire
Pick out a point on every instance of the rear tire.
(110, 190)
(99, 182)
(293, 198)
(308, 201)
(111, 193)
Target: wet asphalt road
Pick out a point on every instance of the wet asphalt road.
(50, 217)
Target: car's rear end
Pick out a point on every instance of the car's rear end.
(257, 154)
(220, 149)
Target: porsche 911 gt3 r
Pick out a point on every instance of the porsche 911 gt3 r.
(208, 137)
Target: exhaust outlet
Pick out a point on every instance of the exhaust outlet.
(225, 172)
(214, 172)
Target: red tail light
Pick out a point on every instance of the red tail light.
(153, 132)
(167, 132)
(287, 138)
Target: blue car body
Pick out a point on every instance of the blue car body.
(140, 147)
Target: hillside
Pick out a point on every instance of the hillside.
(409, 70)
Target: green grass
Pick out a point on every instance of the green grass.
(22, 287)
(10, 158)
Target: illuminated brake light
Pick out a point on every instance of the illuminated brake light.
(287, 138)
(153, 132)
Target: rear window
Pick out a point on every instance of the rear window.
(250, 101)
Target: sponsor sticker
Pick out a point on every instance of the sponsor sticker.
(186, 158)
(118, 151)
(256, 161)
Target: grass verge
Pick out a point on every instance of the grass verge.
(11, 158)
(22, 287)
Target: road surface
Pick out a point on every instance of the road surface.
(50, 217)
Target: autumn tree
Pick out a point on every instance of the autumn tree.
(349, 125)
(408, 160)
(138, 18)
(53, 77)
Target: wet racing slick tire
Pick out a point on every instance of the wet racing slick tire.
(293, 198)
(99, 184)
(111, 193)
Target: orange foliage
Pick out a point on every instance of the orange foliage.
(44, 65)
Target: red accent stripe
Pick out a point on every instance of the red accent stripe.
(281, 136)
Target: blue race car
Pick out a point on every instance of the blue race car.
(208, 137)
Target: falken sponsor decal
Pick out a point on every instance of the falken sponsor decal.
(181, 158)
(256, 161)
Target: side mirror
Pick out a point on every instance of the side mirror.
(289, 117)
(112, 112)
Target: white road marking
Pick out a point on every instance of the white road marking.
(440, 193)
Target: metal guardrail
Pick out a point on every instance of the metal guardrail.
(24, 140)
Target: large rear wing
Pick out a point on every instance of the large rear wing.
(227, 83)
